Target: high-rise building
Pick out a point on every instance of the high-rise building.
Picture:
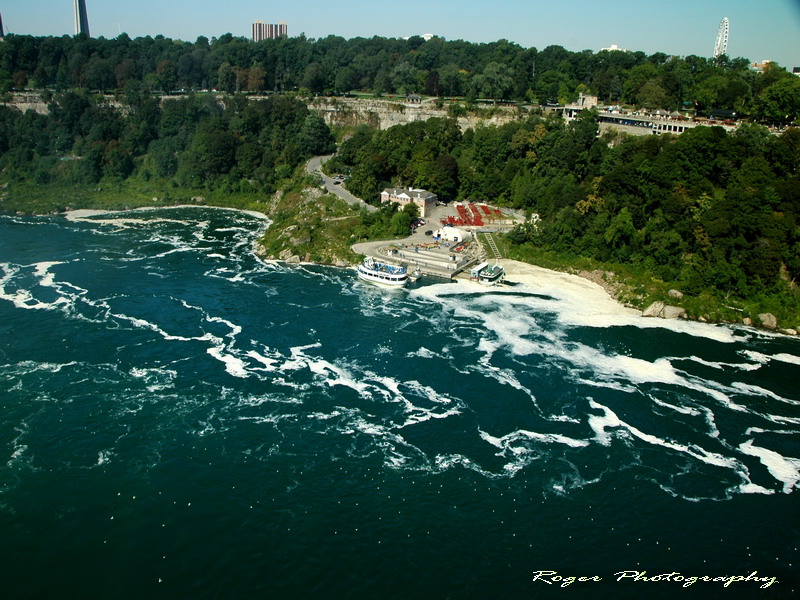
(268, 31)
(81, 19)
(2, 33)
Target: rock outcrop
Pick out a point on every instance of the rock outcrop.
(768, 320)
(288, 256)
(654, 310)
(665, 311)
(675, 294)
(673, 312)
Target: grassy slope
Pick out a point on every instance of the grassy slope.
(310, 225)
(32, 198)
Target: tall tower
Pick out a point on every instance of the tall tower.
(721, 45)
(81, 19)
(2, 33)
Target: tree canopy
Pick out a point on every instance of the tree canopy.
(193, 141)
(499, 70)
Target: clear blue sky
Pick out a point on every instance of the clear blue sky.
(763, 29)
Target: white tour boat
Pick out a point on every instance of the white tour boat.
(382, 274)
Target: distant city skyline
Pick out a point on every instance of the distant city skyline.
(767, 30)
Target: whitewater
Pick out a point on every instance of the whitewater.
(183, 419)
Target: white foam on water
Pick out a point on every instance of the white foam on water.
(752, 488)
(103, 457)
(145, 324)
(787, 358)
(610, 420)
(445, 462)
(507, 317)
(507, 440)
(421, 353)
(42, 270)
(268, 399)
(23, 298)
(233, 365)
(711, 421)
(755, 390)
(158, 379)
(19, 447)
(686, 410)
(29, 366)
(784, 469)
(723, 365)
(270, 364)
(235, 329)
(623, 370)
(333, 375)
(612, 385)
(752, 430)
(758, 357)
(444, 406)
(563, 419)
(298, 359)
(763, 359)
(782, 419)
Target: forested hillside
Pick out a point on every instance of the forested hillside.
(712, 211)
(498, 70)
(193, 142)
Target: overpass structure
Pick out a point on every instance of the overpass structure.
(639, 123)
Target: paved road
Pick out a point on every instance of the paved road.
(314, 167)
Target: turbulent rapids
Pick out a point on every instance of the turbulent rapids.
(155, 374)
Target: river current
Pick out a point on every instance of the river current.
(181, 419)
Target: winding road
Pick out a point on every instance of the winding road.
(314, 167)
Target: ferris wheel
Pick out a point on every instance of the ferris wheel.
(721, 45)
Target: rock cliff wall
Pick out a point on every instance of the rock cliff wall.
(382, 114)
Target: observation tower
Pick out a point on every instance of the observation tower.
(81, 18)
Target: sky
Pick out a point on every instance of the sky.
(767, 29)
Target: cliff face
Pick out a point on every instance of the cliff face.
(382, 114)
(26, 101)
(337, 112)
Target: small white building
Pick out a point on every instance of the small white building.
(424, 199)
(449, 234)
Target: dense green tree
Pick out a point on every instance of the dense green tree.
(499, 70)
(192, 139)
(315, 137)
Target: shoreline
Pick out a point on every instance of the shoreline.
(85, 214)
(593, 302)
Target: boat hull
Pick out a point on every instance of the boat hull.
(383, 275)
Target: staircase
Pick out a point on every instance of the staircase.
(492, 246)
